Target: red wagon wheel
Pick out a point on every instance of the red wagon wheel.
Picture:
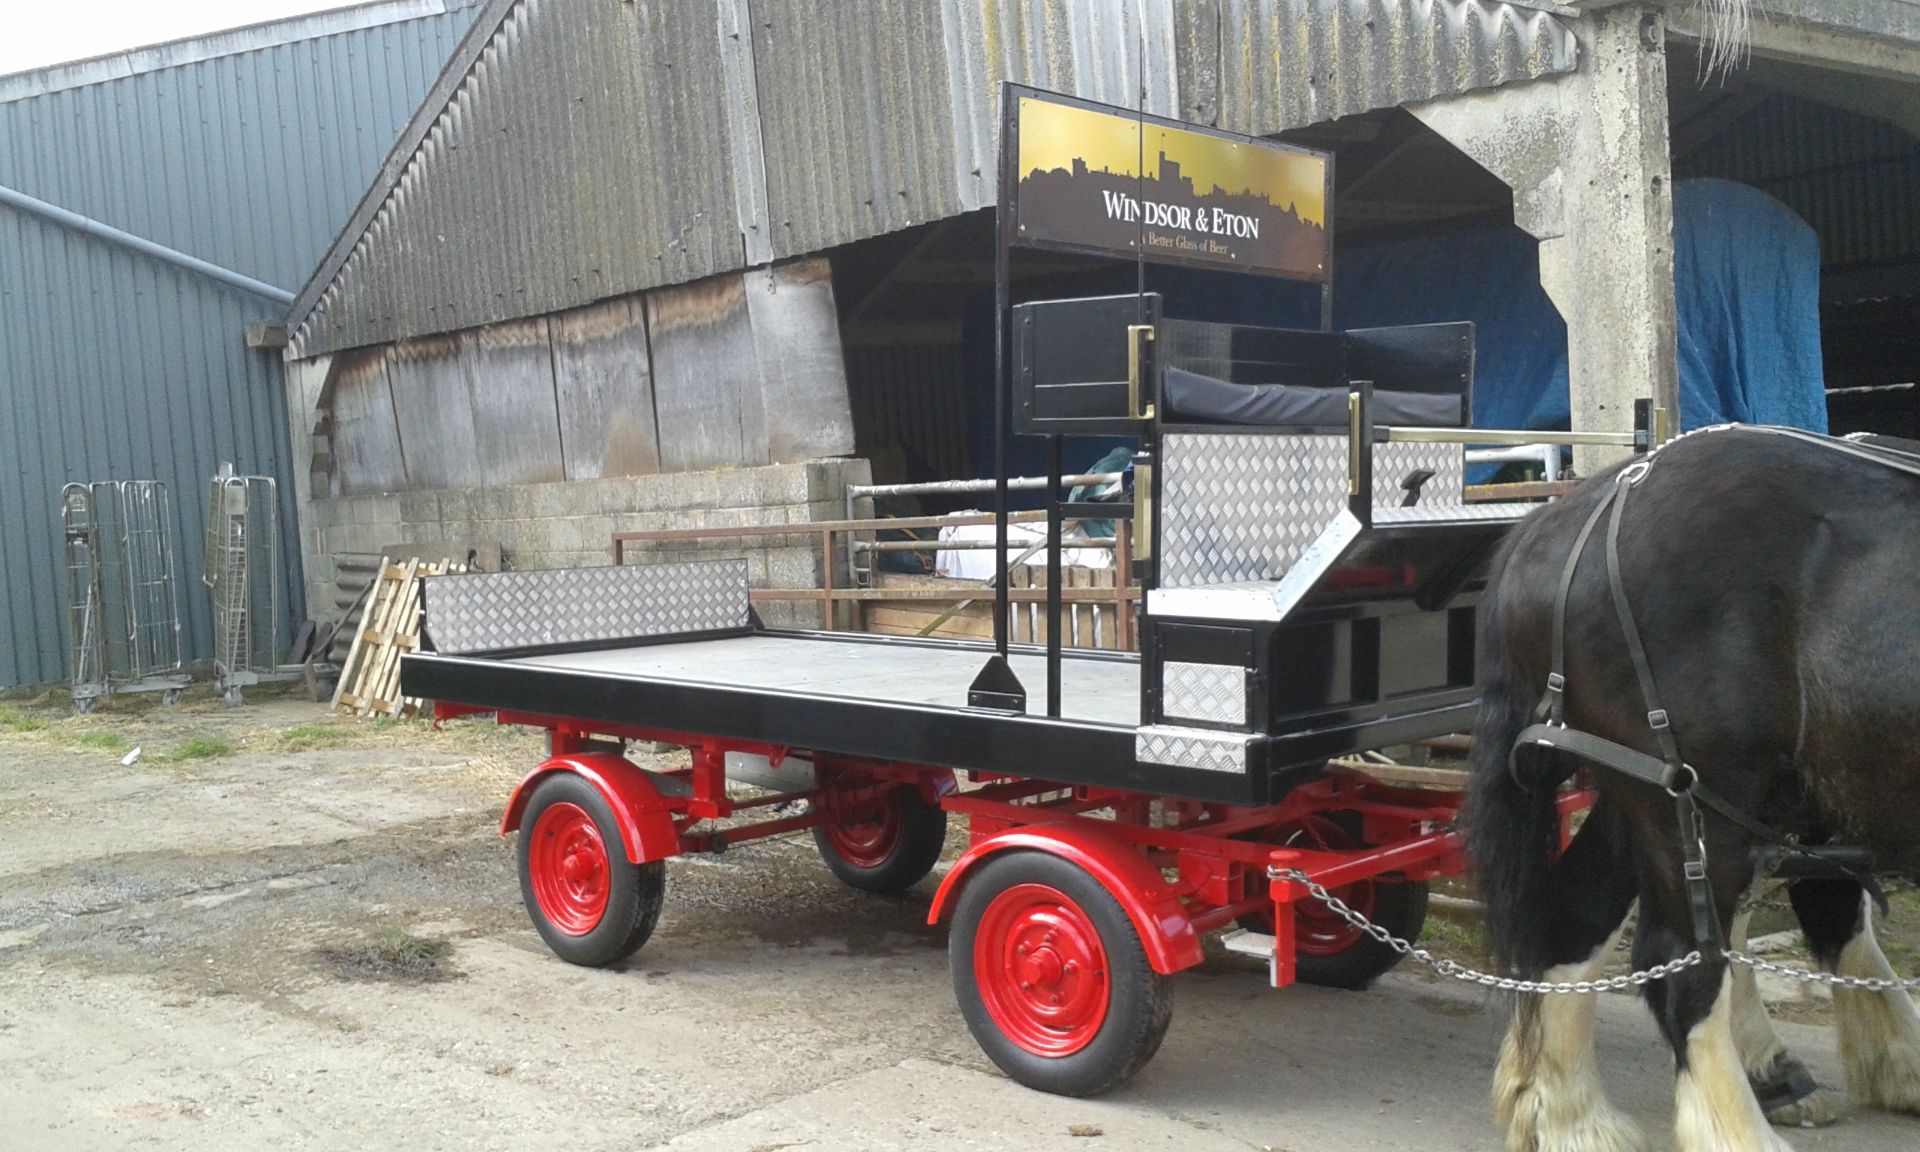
(882, 845)
(568, 864)
(590, 903)
(1041, 970)
(1330, 951)
(1051, 976)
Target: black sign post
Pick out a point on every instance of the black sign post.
(1089, 178)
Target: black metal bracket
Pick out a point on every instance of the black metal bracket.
(996, 687)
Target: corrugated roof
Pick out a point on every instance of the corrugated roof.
(582, 150)
(1289, 63)
(115, 366)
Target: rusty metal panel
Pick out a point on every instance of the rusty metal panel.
(604, 383)
(434, 408)
(515, 422)
(803, 377)
(573, 150)
(705, 375)
(365, 435)
(1289, 63)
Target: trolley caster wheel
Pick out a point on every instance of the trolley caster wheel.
(171, 697)
(1052, 978)
(1328, 951)
(233, 698)
(590, 904)
(886, 848)
(85, 705)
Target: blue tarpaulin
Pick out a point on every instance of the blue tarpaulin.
(1746, 279)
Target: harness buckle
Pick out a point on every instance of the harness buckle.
(1657, 719)
(1696, 870)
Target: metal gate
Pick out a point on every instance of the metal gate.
(242, 572)
(123, 605)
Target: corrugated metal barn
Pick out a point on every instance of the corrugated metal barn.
(246, 149)
(640, 265)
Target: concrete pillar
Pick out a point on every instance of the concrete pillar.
(1586, 156)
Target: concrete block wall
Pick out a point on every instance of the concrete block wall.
(569, 524)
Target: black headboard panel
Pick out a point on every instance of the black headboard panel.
(1070, 364)
(1433, 358)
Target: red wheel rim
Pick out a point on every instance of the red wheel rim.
(1041, 970)
(868, 839)
(567, 862)
(1317, 931)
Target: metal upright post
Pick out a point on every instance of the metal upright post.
(1360, 451)
(1001, 429)
(1053, 575)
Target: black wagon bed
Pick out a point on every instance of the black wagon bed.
(676, 648)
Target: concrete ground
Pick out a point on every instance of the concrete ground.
(207, 949)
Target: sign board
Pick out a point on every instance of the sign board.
(1088, 177)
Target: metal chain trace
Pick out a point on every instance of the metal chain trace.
(1454, 970)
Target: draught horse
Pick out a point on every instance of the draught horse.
(1775, 583)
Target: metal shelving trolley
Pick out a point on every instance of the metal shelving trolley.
(123, 601)
(242, 574)
(1311, 577)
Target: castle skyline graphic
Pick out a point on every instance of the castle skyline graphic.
(1100, 208)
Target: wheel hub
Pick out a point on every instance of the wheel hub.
(867, 838)
(568, 867)
(1042, 970)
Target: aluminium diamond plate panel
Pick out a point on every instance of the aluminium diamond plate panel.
(1238, 506)
(1208, 693)
(498, 611)
(1191, 748)
(1425, 513)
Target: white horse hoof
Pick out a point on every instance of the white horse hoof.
(1817, 1109)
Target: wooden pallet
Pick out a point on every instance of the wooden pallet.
(389, 627)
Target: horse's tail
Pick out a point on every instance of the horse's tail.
(1513, 831)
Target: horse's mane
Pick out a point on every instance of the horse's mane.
(1724, 26)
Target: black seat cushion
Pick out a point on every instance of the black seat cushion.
(1190, 398)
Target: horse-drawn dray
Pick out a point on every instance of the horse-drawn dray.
(1313, 587)
(1311, 581)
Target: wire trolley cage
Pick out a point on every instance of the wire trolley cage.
(123, 605)
(242, 572)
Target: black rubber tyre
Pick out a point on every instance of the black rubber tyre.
(1399, 906)
(1138, 1002)
(889, 855)
(633, 893)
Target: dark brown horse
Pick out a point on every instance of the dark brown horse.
(1776, 584)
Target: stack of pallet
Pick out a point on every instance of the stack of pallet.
(389, 626)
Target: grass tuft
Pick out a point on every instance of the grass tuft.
(14, 720)
(111, 743)
(393, 954)
(198, 748)
(307, 737)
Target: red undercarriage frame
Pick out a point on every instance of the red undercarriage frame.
(1180, 869)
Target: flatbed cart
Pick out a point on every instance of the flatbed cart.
(1311, 576)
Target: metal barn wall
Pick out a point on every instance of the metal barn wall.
(116, 366)
(581, 149)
